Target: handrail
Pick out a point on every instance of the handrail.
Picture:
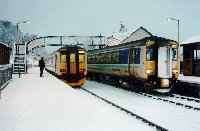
(4, 67)
(5, 75)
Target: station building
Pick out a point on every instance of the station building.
(190, 62)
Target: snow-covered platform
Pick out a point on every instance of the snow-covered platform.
(33, 103)
(188, 85)
(189, 79)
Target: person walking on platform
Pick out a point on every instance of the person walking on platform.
(42, 66)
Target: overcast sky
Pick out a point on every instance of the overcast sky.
(91, 17)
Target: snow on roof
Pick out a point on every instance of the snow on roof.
(139, 34)
(3, 44)
(193, 39)
(121, 36)
(110, 41)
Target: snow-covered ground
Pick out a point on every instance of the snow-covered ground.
(32, 103)
(165, 114)
(189, 79)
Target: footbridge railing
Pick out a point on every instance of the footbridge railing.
(5, 75)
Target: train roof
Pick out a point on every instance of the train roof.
(73, 47)
(137, 38)
(70, 46)
(67, 46)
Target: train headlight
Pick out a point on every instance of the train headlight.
(174, 71)
(149, 71)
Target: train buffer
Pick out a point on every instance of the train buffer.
(47, 103)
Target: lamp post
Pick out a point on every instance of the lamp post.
(178, 37)
(18, 40)
(178, 27)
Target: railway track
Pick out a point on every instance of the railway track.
(187, 106)
(185, 98)
(144, 120)
(169, 101)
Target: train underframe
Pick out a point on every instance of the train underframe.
(133, 83)
(74, 80)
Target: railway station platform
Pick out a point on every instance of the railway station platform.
(188, 86)
(33, 103)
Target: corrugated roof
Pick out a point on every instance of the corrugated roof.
(139, 34)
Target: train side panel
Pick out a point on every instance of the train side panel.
(137, 64)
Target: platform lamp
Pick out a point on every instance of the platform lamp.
(18, 39)
(178, 33)
(178, 26)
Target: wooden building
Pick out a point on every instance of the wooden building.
(4, 54)
(191, 57)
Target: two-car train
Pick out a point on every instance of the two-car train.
(68, 63)
(151, 60)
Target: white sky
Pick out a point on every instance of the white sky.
(86, 17)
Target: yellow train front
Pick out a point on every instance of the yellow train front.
(162, 64)
(69, 64)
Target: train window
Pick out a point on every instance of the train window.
(81, 61)
(174, 53)
(149, 54)
(63, 58)
(81, 58)
(196, 54)
(94, 58)
(123, 56)
(104, 59)
(99, 58)
(72, 58)
(137, 56)
(90, 59)
(115, 57)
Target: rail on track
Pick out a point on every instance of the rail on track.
(170, 101)
(150, 123)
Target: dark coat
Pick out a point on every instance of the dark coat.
(41, 63)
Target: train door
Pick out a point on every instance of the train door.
(72, 63)
(55, 62)
(164, 62)
(81, 63)
(63, 62)
(71, 59)
(130, 65)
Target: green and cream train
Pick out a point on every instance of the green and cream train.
(147, 60)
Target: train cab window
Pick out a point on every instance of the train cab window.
(149, 54)
(81, 58)
(63, 58)
(174, 53)
(72, 58)
(81, 61)
(137, 56)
